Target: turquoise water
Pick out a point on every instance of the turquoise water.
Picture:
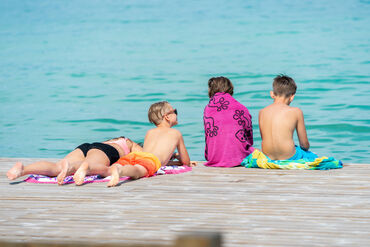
(82, 71)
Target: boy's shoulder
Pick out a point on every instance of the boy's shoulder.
(176, 132)
(165, 130)
(295, 110)
(266, 108)
(293, 113)
(276, 109)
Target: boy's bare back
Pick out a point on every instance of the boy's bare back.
(159, 146)
(162, 142)
(278, 121)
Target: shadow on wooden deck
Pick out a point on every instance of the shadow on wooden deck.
(190, 240)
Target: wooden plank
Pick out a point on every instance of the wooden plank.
(248, 206)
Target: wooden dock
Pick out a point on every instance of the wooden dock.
(249, 207)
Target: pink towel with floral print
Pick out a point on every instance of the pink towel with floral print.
(228, 131)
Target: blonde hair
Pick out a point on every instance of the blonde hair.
(157, 111)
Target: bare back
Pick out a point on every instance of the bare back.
(277, 123)
(162, 142)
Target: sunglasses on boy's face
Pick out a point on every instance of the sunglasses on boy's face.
(173, 111)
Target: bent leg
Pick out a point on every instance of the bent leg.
(133, 171)
(76, 157)
(95, 163)
(66, 169)
(70, 164)
(87, 168)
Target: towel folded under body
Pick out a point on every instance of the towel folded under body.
(301, 160)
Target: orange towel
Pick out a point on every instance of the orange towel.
(147, 160)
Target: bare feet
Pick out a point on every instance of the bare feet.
(114, 176)
(64, 171)
(15, 172)
(193, 163)
(80, 174)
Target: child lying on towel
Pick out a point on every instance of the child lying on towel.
(277, 123)
(88, 158)
(159, 146)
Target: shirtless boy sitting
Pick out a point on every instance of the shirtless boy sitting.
(278, 121)
(159, 146)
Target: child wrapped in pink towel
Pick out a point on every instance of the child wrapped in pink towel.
(227, 126)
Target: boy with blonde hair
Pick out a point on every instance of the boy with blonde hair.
(278, 121)
(159, 146)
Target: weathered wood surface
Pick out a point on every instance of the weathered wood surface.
(250, 207)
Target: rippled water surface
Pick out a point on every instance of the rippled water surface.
(82, 71)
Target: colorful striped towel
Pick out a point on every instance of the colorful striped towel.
(259, 160)
(98, 179)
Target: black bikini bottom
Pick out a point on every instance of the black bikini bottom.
(110, 151)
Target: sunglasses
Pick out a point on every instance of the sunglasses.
(174, 111)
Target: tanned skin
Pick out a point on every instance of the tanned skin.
(161, 141)
(277, 123)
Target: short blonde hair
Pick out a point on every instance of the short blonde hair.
(157, 111)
